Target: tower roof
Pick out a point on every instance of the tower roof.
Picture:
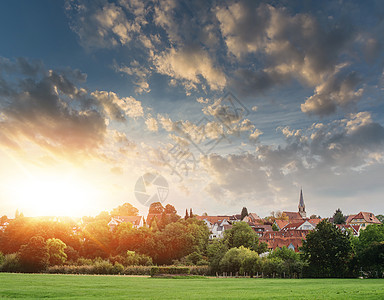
(301, 203)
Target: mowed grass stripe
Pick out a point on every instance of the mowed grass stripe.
(40, 286)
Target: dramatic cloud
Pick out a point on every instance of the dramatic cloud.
(323, 150)
(188, 64)
(46, 108)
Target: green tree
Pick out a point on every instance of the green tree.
(292, 265)
(240, 260)
(274, 227)
(328, 251)
(244, 213)
(380, 218)
(56, 250)
(241, 234)
(215, 252)
(34, 256)
(338, 217)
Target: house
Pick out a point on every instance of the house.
(216, 225)
(363, 219)
(292, 239)
(252, 217)
(136, 221)
(281, 223)
(260, 229)
(354, 228)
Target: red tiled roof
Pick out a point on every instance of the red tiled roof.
(314, 221)
(367, 216)
(281, 223)
(292, 215)
(293, 226)
(213, 219)
(253, 216)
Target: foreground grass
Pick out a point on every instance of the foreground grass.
(124, 287)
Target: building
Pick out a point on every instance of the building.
(363, 219)
(136, 221)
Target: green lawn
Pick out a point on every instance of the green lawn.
(124, 287)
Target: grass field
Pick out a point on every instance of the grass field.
(123, 287)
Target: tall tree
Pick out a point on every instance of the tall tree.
(34, 256)
(125, 209)
(56, 250)
(244, 213)
(186, 214)
(156, 208)
(338, 217)
(190, 213)
(328, 251)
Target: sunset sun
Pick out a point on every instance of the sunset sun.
(53, 195)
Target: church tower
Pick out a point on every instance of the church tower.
(302, 212)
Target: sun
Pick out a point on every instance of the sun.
(54, 195)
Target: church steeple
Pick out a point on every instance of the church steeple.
(302, 212)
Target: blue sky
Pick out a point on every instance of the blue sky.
(94, 94)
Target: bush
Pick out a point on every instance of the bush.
(169, 270)
(11, 263)
(200, 270)
(137, 270)
(99, 268)
(136, 259)
(1, 258)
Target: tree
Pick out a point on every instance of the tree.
(241, 234)
(156, 208)
(170, 209)
(215, 252)
(191, 213)
(186, 214)
(338, 217)
(244, 213)
(34, 256)
(240, 260)
(125, 210)
(56, 250)
(314, 217)
(380, 218)
(328, 251)
(274, 227)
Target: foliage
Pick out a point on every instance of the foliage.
(338, 217)
(134, 259)
(240, 260)
(244, 213)
(274, 227)
(215, 251)
(241, 234)
(291, 263)
(156, 208)
(34, 256)
(125, 209)
(169, 270)
(328, 251)
(1, 258)
(380, 218)
(56, 250)
(11, 263)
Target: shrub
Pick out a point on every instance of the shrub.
(169, 270)
(1, 258)
(11, 263)
(200, 270)
(137, 270)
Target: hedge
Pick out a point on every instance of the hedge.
(169, 270)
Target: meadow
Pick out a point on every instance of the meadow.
(40, 286)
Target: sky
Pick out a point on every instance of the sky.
(215, 105)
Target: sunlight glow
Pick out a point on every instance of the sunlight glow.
(53, 195)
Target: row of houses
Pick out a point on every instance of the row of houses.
(290, 230)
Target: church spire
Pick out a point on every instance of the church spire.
(302, 205)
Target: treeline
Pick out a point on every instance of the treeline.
(33, 245)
